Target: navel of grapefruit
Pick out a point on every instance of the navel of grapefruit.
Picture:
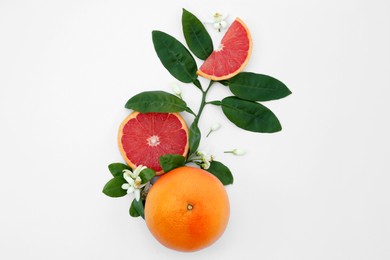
(231, 56)
(187, 209)
(144, 137)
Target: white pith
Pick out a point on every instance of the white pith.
(154, 140)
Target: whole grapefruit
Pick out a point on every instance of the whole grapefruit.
(187, 209)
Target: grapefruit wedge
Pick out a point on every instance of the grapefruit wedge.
(144, 137)
(231, 56)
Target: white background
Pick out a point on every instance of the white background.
(319, 189)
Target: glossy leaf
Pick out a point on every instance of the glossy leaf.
(156, 101)
(146, 175)
(132, 211)
(257, 87)
(250, 115)
(189, 110)
(116, 169)
(137, 209)
(221, 172)
(196, 35)
(113, 188)
(169, 162)
(198, 84)
(175, 57)
(194, 137)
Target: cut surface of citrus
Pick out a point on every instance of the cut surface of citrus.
(144, 137)
(231, 56)
(187, 209)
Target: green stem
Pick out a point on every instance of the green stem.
(203, 103)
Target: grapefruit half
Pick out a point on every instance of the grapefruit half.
(231, 56)
(144, 137)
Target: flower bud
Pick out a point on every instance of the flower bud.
(215, 127)
(176, 89)
(238, 152)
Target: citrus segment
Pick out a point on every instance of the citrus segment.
(231, 56)
(187, 209)
(144, 137)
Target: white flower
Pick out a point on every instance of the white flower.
(176, 89)
(205, 158)
(218, 21)
(213, 128)
(134, 182)
(236, 152)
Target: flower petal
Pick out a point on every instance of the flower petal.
(138, 170)
(125, 186)
(130, 190)
(137, 194)
(127, 176)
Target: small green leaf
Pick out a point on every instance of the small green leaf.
(189, 110)
(250, 115)
(156, 101)
(175, 57)
(146, 175)
(221, 172)
(196, 35)
(197, 84)
(113, 188)
(194, 137)
(169, 162)
(137, 209)
(116, 169)
(133, 212)
(257, 87)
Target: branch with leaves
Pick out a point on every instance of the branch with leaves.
(242, 108)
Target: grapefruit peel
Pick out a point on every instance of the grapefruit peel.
(155, 139)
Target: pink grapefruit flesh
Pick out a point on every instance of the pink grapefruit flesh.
(144, 137)
(232, 55)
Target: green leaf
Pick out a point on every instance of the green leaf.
(116, 169)
(169, 162)
(221, 172)
(113, 188)
(250, 115)
(133, 212)
(257, 87)
(194, 137)
(196, 35)
(156, 101)
(189, 110)
(137, 209)
(146, 175)
(224, 82)
(197, 84)
(175, 57)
